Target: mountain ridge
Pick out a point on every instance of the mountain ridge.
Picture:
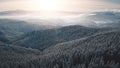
(45, 38)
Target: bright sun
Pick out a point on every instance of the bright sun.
(47, 5)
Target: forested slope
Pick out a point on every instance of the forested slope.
(13, 56)
(101, 50)
(97, 51)
(45, 38)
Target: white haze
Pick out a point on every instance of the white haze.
(64, 18)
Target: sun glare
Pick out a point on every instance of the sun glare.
(47, 5)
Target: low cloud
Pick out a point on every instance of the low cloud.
(85, 19)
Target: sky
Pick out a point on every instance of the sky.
(60, 5)
(48, 8)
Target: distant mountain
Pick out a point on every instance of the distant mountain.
(12, 12)
(17, 25)
(13, 28)
(106, 19)
(45, 38)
